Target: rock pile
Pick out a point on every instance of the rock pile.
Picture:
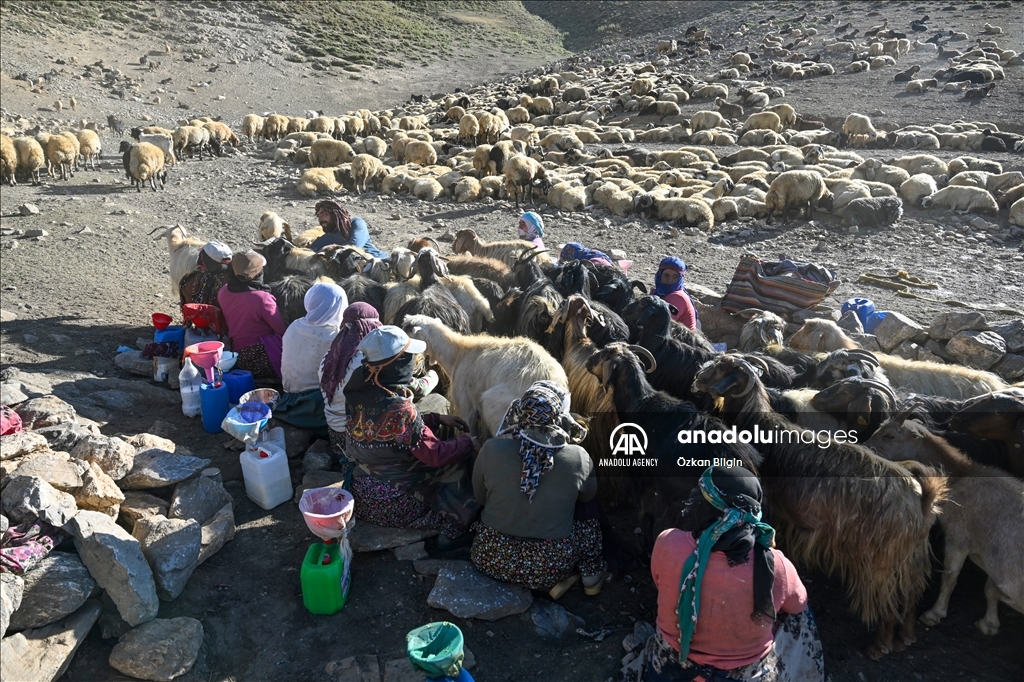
(138, 518)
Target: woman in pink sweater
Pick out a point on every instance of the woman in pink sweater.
(723, 591)
(254, 322)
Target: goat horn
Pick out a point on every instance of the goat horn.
(907, 408)
(640, 351)
(161, 227)
(864, 355)
(884, 388)
(760, 362)
(748, 312)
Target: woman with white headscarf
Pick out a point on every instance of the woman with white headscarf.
(305, 343)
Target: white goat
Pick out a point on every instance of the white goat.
(184, 251)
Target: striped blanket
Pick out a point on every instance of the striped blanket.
(781, 287)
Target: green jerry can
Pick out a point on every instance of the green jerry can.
(325, 577)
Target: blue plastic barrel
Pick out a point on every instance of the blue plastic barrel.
(874, 319)
(215, 405)
(239, 382)
(864, 307)
(172, 333)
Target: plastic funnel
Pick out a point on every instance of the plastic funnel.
(161, 321)
(205, 355)
(261, 395)
(327, 511)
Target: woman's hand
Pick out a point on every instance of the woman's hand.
(453, 421)
(477, 444)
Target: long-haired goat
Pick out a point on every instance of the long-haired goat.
(360, 288)
(184, 250)
(487, 373)
(982, 516)
(763, 328)
(508, 252)
(433, 271)
(284, 258)
(996, 417)
(839, 506)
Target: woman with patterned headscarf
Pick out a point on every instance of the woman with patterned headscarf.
(342, 229)
(531, 229)
(669, 286)
(723, 591)
(531, 480)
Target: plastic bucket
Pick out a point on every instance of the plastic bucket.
(161, 321)
(214, 400)
(173, 332)
(436, 649)
(327, 511)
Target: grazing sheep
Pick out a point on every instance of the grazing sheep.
(705, 120)
(275, 127)
(859, 124)
(982, 518)
(272, 225)
(61, 154)
(316, 181)
(765, 120)
(419, 152)
(90, 146)
(487, 373)
(785, 112)
(146, 162)
(8, 160)
(183, 250)
(917, 187)
(222, 133)
(962, 199)
(252, 126)
(796, 189)
(328, 153)
(670, 47)
(469, 129)
(522, 175)
(873, 211)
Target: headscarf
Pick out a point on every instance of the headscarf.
(358, 320)
(342, 220)
(379, 407)
(669, 263)
(540, 421)
(251, 265)
(214, 257)
(325, 304)
(737, 493)
(576, 251)
(534, 228)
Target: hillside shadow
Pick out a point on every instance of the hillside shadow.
(91, 189)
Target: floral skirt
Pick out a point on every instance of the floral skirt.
(255, 360)
(379, 502)
(538, 564)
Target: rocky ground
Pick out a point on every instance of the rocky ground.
(90, 277)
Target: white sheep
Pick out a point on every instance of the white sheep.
(275, 126)
(921, 163)
(367, 171)
(8, 160)
(469, 129)
(917, 187)
(146, 162)
(728, 208)
(785, 112)
(427, 189)
(90, 146)
(60, 154)
(687, 211)
(797, 189)
(31, 158)
(316, 181)
(765, 120)
(419, 152)
(272, 225)
(164, 142)
(992, 182)
(466, 189)
(330, 153)
(1017, 213)
(252, 126)
(704, 120)
(962, 199)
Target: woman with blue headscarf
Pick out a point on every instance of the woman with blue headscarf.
(531, 229)
(668, 285)
(729, 605)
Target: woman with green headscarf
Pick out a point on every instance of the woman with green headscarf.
(723, 592)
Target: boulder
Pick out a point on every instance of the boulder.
(112, 625)
(154, 468)
(27, 498)
(401, 670)
(20, 444)
(66, 435)
(867, 342)
(908, 350)
(468, 593)
(116, 562)
(11, 393)
(138, 504)
(850, 323)
(1011, 367)
(11, 589)
(412, 552)
(99, 492)
(939, 348)
(198, 499)
(54, 468)
(159, 650)
(171, 546)
(947, 325)
(895, 329)
(1012, 332)
(45, 411)
(316, 461)
(217, 531)
(112, 455)
(369, 537)
(43, 654)
(133, 362)
(977, 349)
(55, 588)
(145, 441)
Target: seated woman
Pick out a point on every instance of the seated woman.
(254, 323)
(405, 477)
(342, 360)
(531, 228)
(303, 347)
(721, 589)
(576, 251)
(532, 483)
(341, 229)
(669, 286)
(202, 284)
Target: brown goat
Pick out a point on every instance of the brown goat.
(821, 336)
(483, 267)
(839, 507)
(508, 251)
(997, 416)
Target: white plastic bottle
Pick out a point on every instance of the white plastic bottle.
(190, 380)
(265, 471)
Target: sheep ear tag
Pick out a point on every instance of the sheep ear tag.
(862, 421)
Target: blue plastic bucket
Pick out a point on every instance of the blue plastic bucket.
(213, 398)
(172, 333)
(863, 307)
(874, 319)
(239, 382)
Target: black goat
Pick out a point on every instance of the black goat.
(360, 288)
(691, 337)
(606, 325)
(436, 301)
(290, 292)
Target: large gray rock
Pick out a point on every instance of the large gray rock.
(468, 593)
(112, 625)
(137, 505)
(27, 498)
(43, 654)
(975, 349)
(867, 342)
(171, 546)
(11, 590)
(315, 460)
(99, 492)
(155, 468)
(198, 499)
(146, 441)
(849, 322)
(908, 350)
(11, 393)
(116, 562)
(217, 531)
(895, 329)
(56, 469)
(1012, 332)
(1011, 367)
(113, 455)
(434, 566)
(45, 411)
(159, 650)
(20, 444)
(947, 325)
(66, 435)
(938, 348)
(369, 537)
(55, 588)
(133, 362)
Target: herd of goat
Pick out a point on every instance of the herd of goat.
(497, 316)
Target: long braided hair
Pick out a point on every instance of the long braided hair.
(342, 220)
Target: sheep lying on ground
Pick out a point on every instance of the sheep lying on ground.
(316, 181)
(684, 210)
(919, 186)
(327, 153)
(873, 211)
(962, 199)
